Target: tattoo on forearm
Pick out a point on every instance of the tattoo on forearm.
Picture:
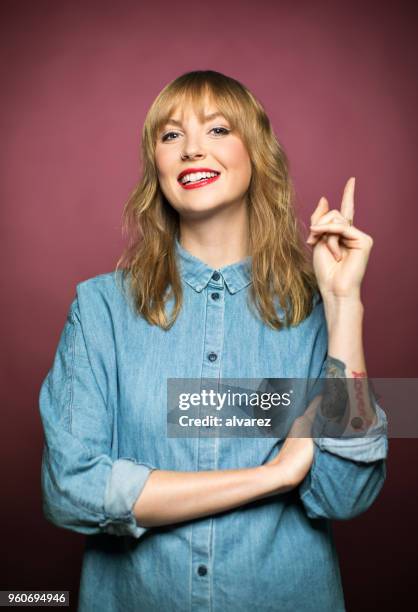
(360, 422)
(335, 403)
(334, 367)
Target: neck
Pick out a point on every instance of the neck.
(218, 240)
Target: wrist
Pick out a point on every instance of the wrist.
(343, 310)
(276, 477)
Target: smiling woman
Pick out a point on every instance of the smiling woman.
(212, 233)
(205, 121)
(222, 184)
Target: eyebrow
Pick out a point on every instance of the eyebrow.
(206, 119)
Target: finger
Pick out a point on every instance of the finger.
(332, 243)
(347, 204)
(329, 217)
(321, 209)
(334, 247)
(332, 216)
(347, 231)
(349, 234)
(314, 238)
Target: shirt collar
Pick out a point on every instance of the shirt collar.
(197, 274)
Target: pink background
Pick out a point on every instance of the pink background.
(338, 81)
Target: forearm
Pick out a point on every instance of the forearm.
(345, 333)
(346, 358)
(170, 496)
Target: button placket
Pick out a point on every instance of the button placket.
(215, 313)
(207, 444)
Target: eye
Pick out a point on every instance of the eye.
(166, 137)
(225, 130)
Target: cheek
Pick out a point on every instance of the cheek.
(238, 156)
(163, 163)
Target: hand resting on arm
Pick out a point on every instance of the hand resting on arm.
(170, 496)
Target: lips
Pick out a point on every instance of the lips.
(193, 170)
(200, 183)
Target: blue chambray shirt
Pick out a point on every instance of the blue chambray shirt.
(103, 406)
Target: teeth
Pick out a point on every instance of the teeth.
(197, 176)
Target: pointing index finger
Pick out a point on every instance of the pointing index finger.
(347, 204)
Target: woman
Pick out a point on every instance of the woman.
(202, 522)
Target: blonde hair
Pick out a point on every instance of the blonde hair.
(281, 266)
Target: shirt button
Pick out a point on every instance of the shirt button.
(202, 570)
(215, 296)
(213, 356)
(216, 276)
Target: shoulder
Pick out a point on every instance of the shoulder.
(101, 297)
(106, 286)
(100, 282)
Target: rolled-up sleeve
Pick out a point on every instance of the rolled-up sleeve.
(347, 474)
(83, 489)
(340, 488)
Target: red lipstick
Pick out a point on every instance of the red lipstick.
(200, 183)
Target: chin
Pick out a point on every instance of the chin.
(198, 210)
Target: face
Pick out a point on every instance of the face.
(184, 145)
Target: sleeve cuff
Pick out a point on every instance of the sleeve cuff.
(125, 484)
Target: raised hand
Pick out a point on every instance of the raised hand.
(340, 250)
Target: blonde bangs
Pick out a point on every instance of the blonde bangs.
(198, 94)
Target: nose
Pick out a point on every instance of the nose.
(192, 150)
(192, 155)
(193, 146)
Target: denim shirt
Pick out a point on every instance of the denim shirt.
(103, 406)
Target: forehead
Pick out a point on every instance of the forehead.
(177, 117)
(204, 111)
(201, 104)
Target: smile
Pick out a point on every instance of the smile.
(198, 179)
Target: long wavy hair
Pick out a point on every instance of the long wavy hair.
(281, 268)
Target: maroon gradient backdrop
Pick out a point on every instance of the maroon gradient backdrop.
(339, 83)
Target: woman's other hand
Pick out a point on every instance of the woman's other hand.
(295, 458)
